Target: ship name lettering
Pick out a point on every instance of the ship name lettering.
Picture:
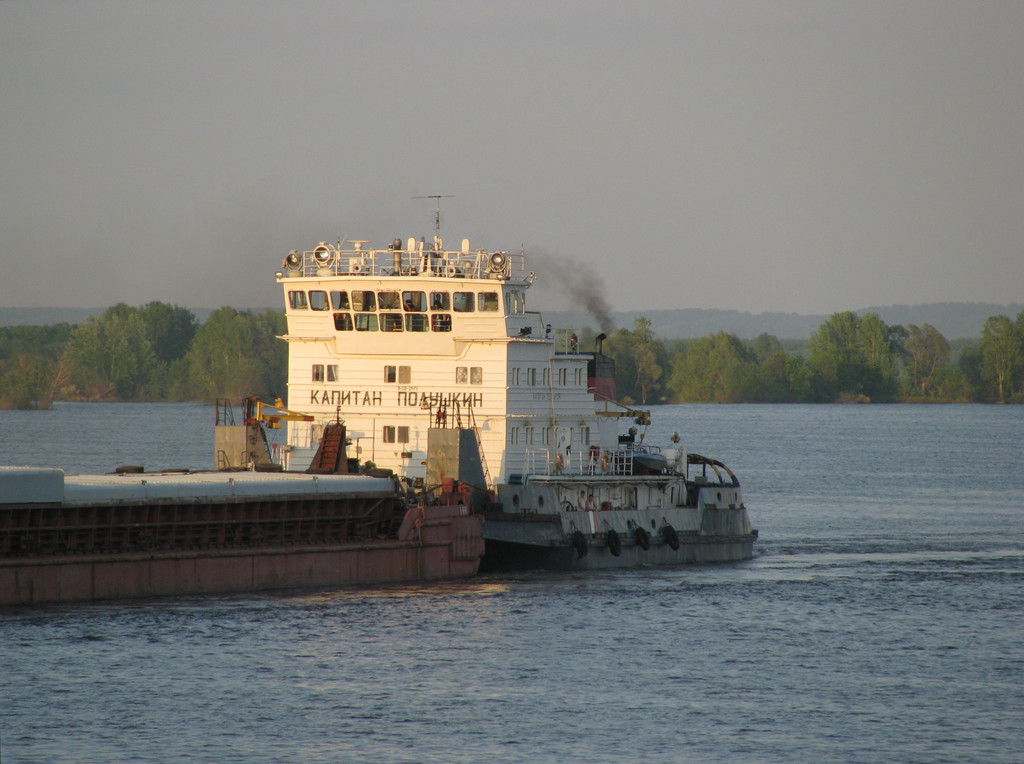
(346, 398)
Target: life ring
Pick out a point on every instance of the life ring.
(614, 543)
(643, 538)
(671, 537)
(579, 541)
(450, 271)
(605, 461)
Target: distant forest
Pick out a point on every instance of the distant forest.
(161, 352)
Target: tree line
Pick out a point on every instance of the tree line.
(160, 352)
(156, 352)
(849, 358)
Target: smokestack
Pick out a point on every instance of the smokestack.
(599, 342)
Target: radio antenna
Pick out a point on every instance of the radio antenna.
(437, 215)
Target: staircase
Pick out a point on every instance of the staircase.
(330, 454)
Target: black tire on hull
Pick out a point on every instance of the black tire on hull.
(671, 537)
(614, 543)
(579, 541)
(643, 538)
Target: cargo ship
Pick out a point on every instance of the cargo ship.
(406, 341)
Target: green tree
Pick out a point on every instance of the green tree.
(640, 359)
(170, 329)
(927, 353)
(33, 364)
(718, 368)
(853, 357)
(114, 356)
(786, 379)
(236, 354)
(1002, 356)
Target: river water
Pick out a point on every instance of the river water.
(880, 621)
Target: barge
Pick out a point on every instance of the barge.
(91, 537)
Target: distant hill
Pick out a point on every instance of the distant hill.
(956, 320)
(960, 320)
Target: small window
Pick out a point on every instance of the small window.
(318, 372)
(462, 302)
(404, 375)
(297, 300)
(562, 376)
(414, 302)
(388, 301)
(416, 322)
(391, 322)
(577, 377)
(488, 301)
(366, 322)
(441, 322)
(585, 436)
(389, 434)
(403, 434)
(461, 375)
(531, 377)
(476, 375)
(513, 436)
(318, 300)
(339, 300)
(545, 436)
(529, 435)
(363, 301)
(343, 322)
(514, 377)
(547, 377)
(440, 301)
(332, 373)
(390, 374)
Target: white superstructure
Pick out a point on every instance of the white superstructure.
(394, 341)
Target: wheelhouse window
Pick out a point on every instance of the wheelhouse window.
(343, 322)
(441, 322)
(363, 300)
(391, 322)
(339, 300)
(462, 302)
(388, 301)
(297, 300)
(414, 302)
(440, 301)
(488, 301)
(318, 300)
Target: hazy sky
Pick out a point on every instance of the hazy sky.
(787, 156)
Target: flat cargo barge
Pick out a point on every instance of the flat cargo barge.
(93, 537)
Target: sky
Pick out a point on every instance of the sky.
(806, 157)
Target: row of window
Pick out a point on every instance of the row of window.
(402, 375)
(392, 322)
(528, 376)
(473, 375)
(540, 436)
(410, 302)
